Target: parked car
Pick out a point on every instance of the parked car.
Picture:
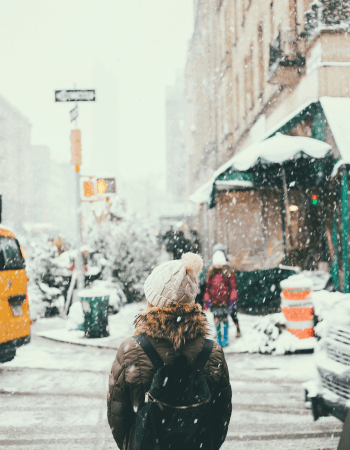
(14, 306)
(329, 393)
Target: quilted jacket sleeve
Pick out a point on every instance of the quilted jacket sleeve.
(221, 397)
(119, 406)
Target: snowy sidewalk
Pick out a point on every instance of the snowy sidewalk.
(120, 327)
(259, 333)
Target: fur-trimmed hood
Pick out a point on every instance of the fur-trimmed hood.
(178, 323)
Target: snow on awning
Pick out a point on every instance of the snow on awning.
(202, 195)
(234, 183)
(277, 149)
(337, 111)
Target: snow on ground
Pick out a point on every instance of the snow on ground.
(120, 327)
(267, 334)
(262, 334)
(259, 333)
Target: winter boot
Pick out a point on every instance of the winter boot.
(238, 334)
(224, 342)
(218, 334)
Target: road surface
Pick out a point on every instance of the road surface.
(53, 396)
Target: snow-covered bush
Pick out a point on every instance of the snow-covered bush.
(129, 248)
(46, 284)
(75, 317)
(269, 335)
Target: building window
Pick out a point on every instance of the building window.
(249, 81)
(246, 87)
(237, 108)
(235, 22)
(230, 117)
(245, 6)
(261, 58)
(228, 29)
(272, 19)
(251, 77)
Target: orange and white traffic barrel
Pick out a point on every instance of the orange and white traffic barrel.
(297, 307)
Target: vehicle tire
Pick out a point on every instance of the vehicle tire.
(8, 356)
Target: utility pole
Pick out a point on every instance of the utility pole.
(75, 96)
(76, 161)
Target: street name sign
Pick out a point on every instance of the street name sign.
(75, 95)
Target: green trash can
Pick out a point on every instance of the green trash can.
(95, 307)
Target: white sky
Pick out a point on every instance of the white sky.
(128, 50)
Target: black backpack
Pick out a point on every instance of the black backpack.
(177, 411)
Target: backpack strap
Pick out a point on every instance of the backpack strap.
(150, 351)
(204, 355)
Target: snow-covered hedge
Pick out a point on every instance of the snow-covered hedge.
(46, 283)
(129, 248)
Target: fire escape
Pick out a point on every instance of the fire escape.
(287, 64)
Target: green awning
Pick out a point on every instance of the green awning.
(306, 162)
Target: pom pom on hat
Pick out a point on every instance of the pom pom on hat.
(174, 281)
(193, 264)
(219, 259)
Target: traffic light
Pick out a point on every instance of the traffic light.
(314, 200)
(75, 139)
(106, 186)
(88, 187)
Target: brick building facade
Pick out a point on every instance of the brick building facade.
(255, 68)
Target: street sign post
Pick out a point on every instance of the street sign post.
(74, 113)
(75, 139)
(75, 95)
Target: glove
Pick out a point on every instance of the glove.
(233, 304)
(207, 305)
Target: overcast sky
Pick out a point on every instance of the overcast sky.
(128, 50)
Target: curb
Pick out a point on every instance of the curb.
(82, 344)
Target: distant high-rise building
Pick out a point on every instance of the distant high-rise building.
(175, 140)
(38, 170)
(61, 198)
(34, 188)
(14, 157)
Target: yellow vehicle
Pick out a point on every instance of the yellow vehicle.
(14, 306)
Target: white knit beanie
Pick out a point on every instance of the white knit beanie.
(219, 259)
(174, 281)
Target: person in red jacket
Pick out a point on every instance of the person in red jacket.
(221, 296)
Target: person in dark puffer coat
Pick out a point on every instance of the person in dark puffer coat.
(172, 322)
